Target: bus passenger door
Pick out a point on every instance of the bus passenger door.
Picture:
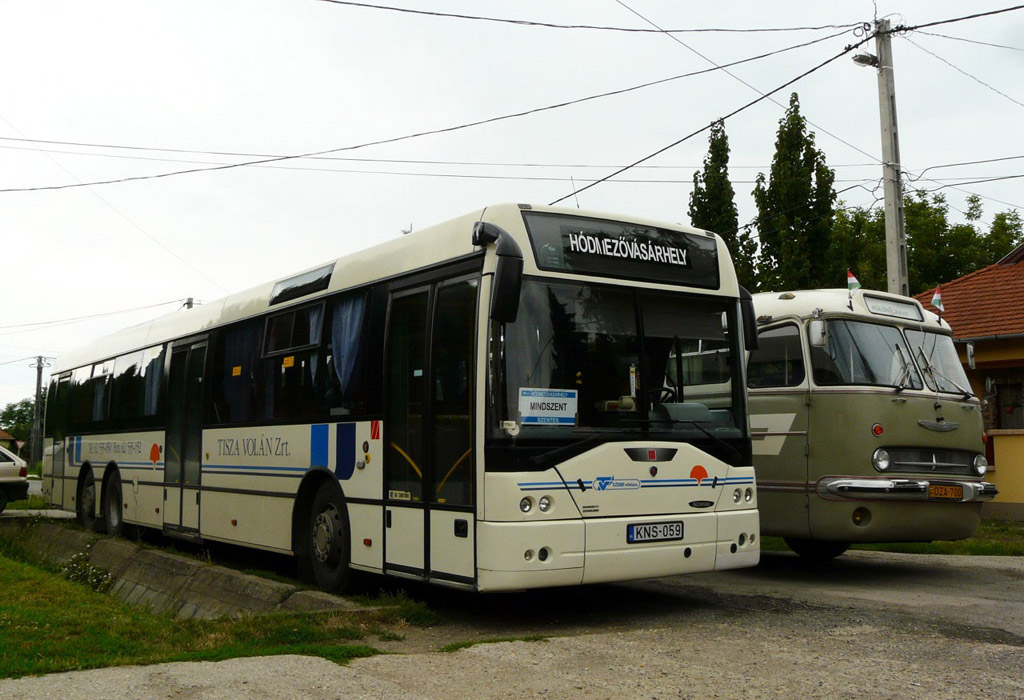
(404, 462)
(778, 399)
(429, 526)
(56, 422)
(183, 449)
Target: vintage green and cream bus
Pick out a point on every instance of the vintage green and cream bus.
(497, 402)
(863, 423)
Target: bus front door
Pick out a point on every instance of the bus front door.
(429, 463)
(183, 449)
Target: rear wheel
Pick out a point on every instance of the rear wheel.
(112, 507)
(817, 550)
(328, 545)
(86, 506)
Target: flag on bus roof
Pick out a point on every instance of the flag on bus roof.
(937, 300)
(851, 281)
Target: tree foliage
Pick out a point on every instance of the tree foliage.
(795, 211)
(16, 418)
(713, 205)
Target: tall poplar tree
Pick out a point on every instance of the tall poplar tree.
(713, 206)
(795, 208)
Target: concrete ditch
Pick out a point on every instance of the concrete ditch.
(162, 582)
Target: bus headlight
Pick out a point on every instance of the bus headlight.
(544, 504)
(881, 460)
(980, 465)
(736, 496)
(526, 505)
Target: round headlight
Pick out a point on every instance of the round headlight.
(881, 460)
(526, 505)
(544, 504)
(736, 496)
(980, 465)
(748, 495)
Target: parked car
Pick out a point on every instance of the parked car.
(13, 478)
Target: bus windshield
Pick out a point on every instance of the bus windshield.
(939, 362)
(864, 353)
(584, 358)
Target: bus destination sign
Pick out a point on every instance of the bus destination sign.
(617, 249)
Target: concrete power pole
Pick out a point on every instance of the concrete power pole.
(895, 236)
(37, 415)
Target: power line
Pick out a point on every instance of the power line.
(900, 28)
(550, 25)
(963, 72)
(973, 41)
(407, 137)
(748, 105)
(41, 325)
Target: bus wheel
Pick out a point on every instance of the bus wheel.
(329, 545)
(817, 550)
(86, 510)
(112, 514)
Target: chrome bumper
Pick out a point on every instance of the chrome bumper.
(903, 489)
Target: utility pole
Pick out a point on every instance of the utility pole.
(37, 415)
(895, 235)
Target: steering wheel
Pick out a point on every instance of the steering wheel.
(663, 394)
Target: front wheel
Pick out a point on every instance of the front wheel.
(817, 550)
(328, 545)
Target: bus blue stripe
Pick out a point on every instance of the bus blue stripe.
(346, 464)
(319, 437)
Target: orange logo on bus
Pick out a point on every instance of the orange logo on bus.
(699, 473)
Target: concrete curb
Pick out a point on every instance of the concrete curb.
(169, 583)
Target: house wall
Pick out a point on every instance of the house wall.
(1002, 361)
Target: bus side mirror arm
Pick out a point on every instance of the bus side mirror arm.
(749, 320)
(508, 273)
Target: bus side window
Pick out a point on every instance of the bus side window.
(235, 366)
(291, 368)
(344, 390)
(778, 360)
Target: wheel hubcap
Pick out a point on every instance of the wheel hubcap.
(323, 535)
(89, 498)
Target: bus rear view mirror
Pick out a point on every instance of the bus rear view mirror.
(817, 333)
(508, 272)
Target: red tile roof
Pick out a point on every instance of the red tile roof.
(985, 303)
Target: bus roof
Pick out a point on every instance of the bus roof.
(421, 249)
(857, 303)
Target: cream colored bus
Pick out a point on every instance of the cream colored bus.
(502, 401)
(863, 423)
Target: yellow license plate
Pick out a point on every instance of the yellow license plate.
(941, 492)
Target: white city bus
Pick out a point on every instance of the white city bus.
(521, 397)
(863, 423)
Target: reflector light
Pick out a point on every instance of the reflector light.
(368, 542)
(877, 429)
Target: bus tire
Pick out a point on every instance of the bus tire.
(329, 546)
(85, 510)
(817, 550)
(113, 515)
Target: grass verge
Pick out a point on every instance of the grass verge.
(994, 538)
(49, 624)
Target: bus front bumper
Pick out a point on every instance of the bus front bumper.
(907, 490)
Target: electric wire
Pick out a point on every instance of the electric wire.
(736, 111)
(550, 25)
(972, 41)
(43, 325)
(963, 72)
(903, 28)
(407, 137)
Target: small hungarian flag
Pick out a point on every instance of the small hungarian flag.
(851, 281)
(937, 300)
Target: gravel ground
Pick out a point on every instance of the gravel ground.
(764, 649)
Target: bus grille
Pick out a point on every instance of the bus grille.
(924, 460)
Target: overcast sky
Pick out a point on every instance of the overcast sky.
(289, 77)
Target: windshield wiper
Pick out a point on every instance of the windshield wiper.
(934, 371)
(904, 370)
(556, 453)
(648, 422)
